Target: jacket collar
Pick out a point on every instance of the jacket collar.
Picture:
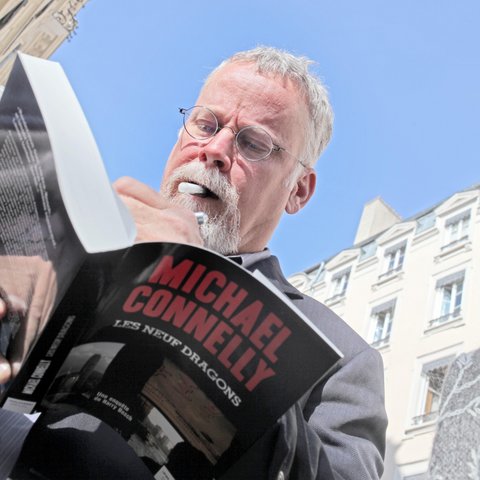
(270, 267)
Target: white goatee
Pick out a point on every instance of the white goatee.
(221, 232)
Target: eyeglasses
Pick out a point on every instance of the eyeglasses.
(253, 143)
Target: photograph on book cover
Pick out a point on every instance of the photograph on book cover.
(166, 418)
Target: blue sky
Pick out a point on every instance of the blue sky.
(404, 81)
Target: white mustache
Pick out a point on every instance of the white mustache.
(210, 178)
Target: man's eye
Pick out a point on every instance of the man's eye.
(203, 127)
(206, 127)
(253, 144)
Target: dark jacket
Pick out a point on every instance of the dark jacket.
(337, 431)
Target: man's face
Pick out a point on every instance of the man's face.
(248, 197)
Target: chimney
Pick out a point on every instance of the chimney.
(377, 216)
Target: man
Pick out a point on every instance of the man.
(245, 155)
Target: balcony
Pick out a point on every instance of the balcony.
(455, 243)
(454, 248)
(449, 317)
(335, 299)
(424, 418)
(381, 342)
(389, 273)
(392, 275)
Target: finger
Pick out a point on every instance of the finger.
(130, 188)
(3, 309)
(171, 228)
(49, 294)
(17, 350)
(146, 214)
(32, 323)
(5, 371)
(173, 224)
(44, 294)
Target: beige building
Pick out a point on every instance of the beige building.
(410, 288)
(36, 27)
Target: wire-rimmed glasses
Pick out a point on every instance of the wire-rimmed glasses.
(253, 142)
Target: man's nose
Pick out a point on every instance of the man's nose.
(219, 150)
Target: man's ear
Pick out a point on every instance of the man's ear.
(301, 191)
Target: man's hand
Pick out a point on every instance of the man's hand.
(156, 218)
(5, 370)
(29, 288)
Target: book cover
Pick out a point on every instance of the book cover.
(178, 349)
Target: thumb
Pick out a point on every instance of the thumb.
(5, 371)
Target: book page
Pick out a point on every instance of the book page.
(99, 221)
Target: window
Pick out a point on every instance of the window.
(381, 323)
(317, 275)
(368, 250)
(431, 383)
(394, 257)
(425, 222)
(339, 284)
(448, 302)
(456, 228)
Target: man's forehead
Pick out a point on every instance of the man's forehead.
(242, 82)
(237, 72)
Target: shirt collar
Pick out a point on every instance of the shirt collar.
(248, 259)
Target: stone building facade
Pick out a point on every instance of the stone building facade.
(410, 288)
(36, 27)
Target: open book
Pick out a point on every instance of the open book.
(187, 356)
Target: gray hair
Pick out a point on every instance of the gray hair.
(282, 63)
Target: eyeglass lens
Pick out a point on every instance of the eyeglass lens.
(253, 143)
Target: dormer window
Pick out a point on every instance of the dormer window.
(456, 228)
